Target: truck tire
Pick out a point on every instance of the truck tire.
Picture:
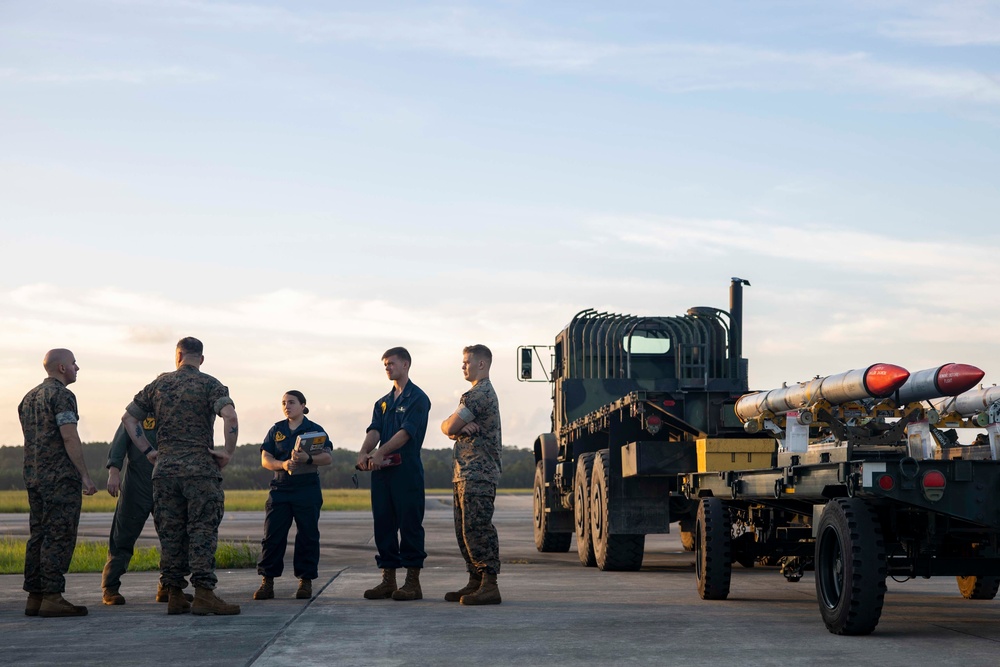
(581, 509)
(687, 534)
(546, 541)
(850, 567)
(978, 588)
(612, 552)
(712, 549)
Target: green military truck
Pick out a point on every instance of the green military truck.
(633, 399)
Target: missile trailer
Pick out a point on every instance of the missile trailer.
(632, 398)
(877, 491)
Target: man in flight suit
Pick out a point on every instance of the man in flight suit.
(399, 421)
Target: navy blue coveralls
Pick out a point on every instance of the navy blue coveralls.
(297, 497)
(398, 491)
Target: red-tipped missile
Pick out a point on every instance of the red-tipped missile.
(947, 380)
(877, 381)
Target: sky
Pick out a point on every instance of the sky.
(302, 185)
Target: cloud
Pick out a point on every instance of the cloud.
(953, 23)
(98, 75)
(672, 66)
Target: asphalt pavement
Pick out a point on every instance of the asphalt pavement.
(555, 612)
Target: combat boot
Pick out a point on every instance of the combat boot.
(386, 588)
(305, 590)
(54, 605)
(177, 601)
(266, 590)
(111, 596)
(475, 581)
(488, 593)
(163, 594)
(207, 602)
(411, 587)
(34, 602)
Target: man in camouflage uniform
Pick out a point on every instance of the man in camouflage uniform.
(475, 428)
(135, 503)
(56, 478)
(188, 501)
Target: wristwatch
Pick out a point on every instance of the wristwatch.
(148, 450)
(309, 461)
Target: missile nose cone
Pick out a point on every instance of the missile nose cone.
(953, 379)
(881, 380)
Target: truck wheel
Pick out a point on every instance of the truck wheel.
(581, 509)
(978, 588)
(687, 534)
(546, 541)
(612, 552)
(712, 541)
(850, 567)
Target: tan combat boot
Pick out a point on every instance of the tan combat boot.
(54, 605)
(488, 593)
(266, 590)
(163, 594)
(177, 601)
(207, 602)
(411, 587)
(305, 590)
(34, 602)
(475, 581)
(386, 588)
(111, 596)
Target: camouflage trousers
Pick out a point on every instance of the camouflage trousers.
(477, 537)
(54, 514)
(187, 512)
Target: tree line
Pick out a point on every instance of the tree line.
(245, 471)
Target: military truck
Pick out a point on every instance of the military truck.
(632, 396)
(873, 488)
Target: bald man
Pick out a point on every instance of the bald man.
(56, 478)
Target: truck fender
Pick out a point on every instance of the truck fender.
(547, 451)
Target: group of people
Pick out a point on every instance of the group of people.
(175, 472)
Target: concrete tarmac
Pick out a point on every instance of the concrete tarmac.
(555, 612)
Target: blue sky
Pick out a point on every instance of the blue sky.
(303, 185)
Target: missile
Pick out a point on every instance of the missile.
(947, 380)
(876, 381)
(969, 403)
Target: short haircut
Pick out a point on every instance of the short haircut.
(479, 352)
(190, 345)
(397, 352)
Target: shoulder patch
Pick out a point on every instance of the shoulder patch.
(384, 406)
(279, 436)
(149, 423)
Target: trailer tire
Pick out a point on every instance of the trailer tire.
(546, 540)
(713, 549)
(581, 509)
(850, 567)
(612, 552)
(978, 588)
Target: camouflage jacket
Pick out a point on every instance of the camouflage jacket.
(184, 403)
(477, 457)
(42, 411)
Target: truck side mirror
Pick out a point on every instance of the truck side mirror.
(526, 353)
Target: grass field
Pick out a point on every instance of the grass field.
(334, 500)
(90, 557)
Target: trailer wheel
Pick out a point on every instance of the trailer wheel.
(581, 509)
(850, 567)
(612, 552)
(978, 588)
(712, 549)
(546, 540)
